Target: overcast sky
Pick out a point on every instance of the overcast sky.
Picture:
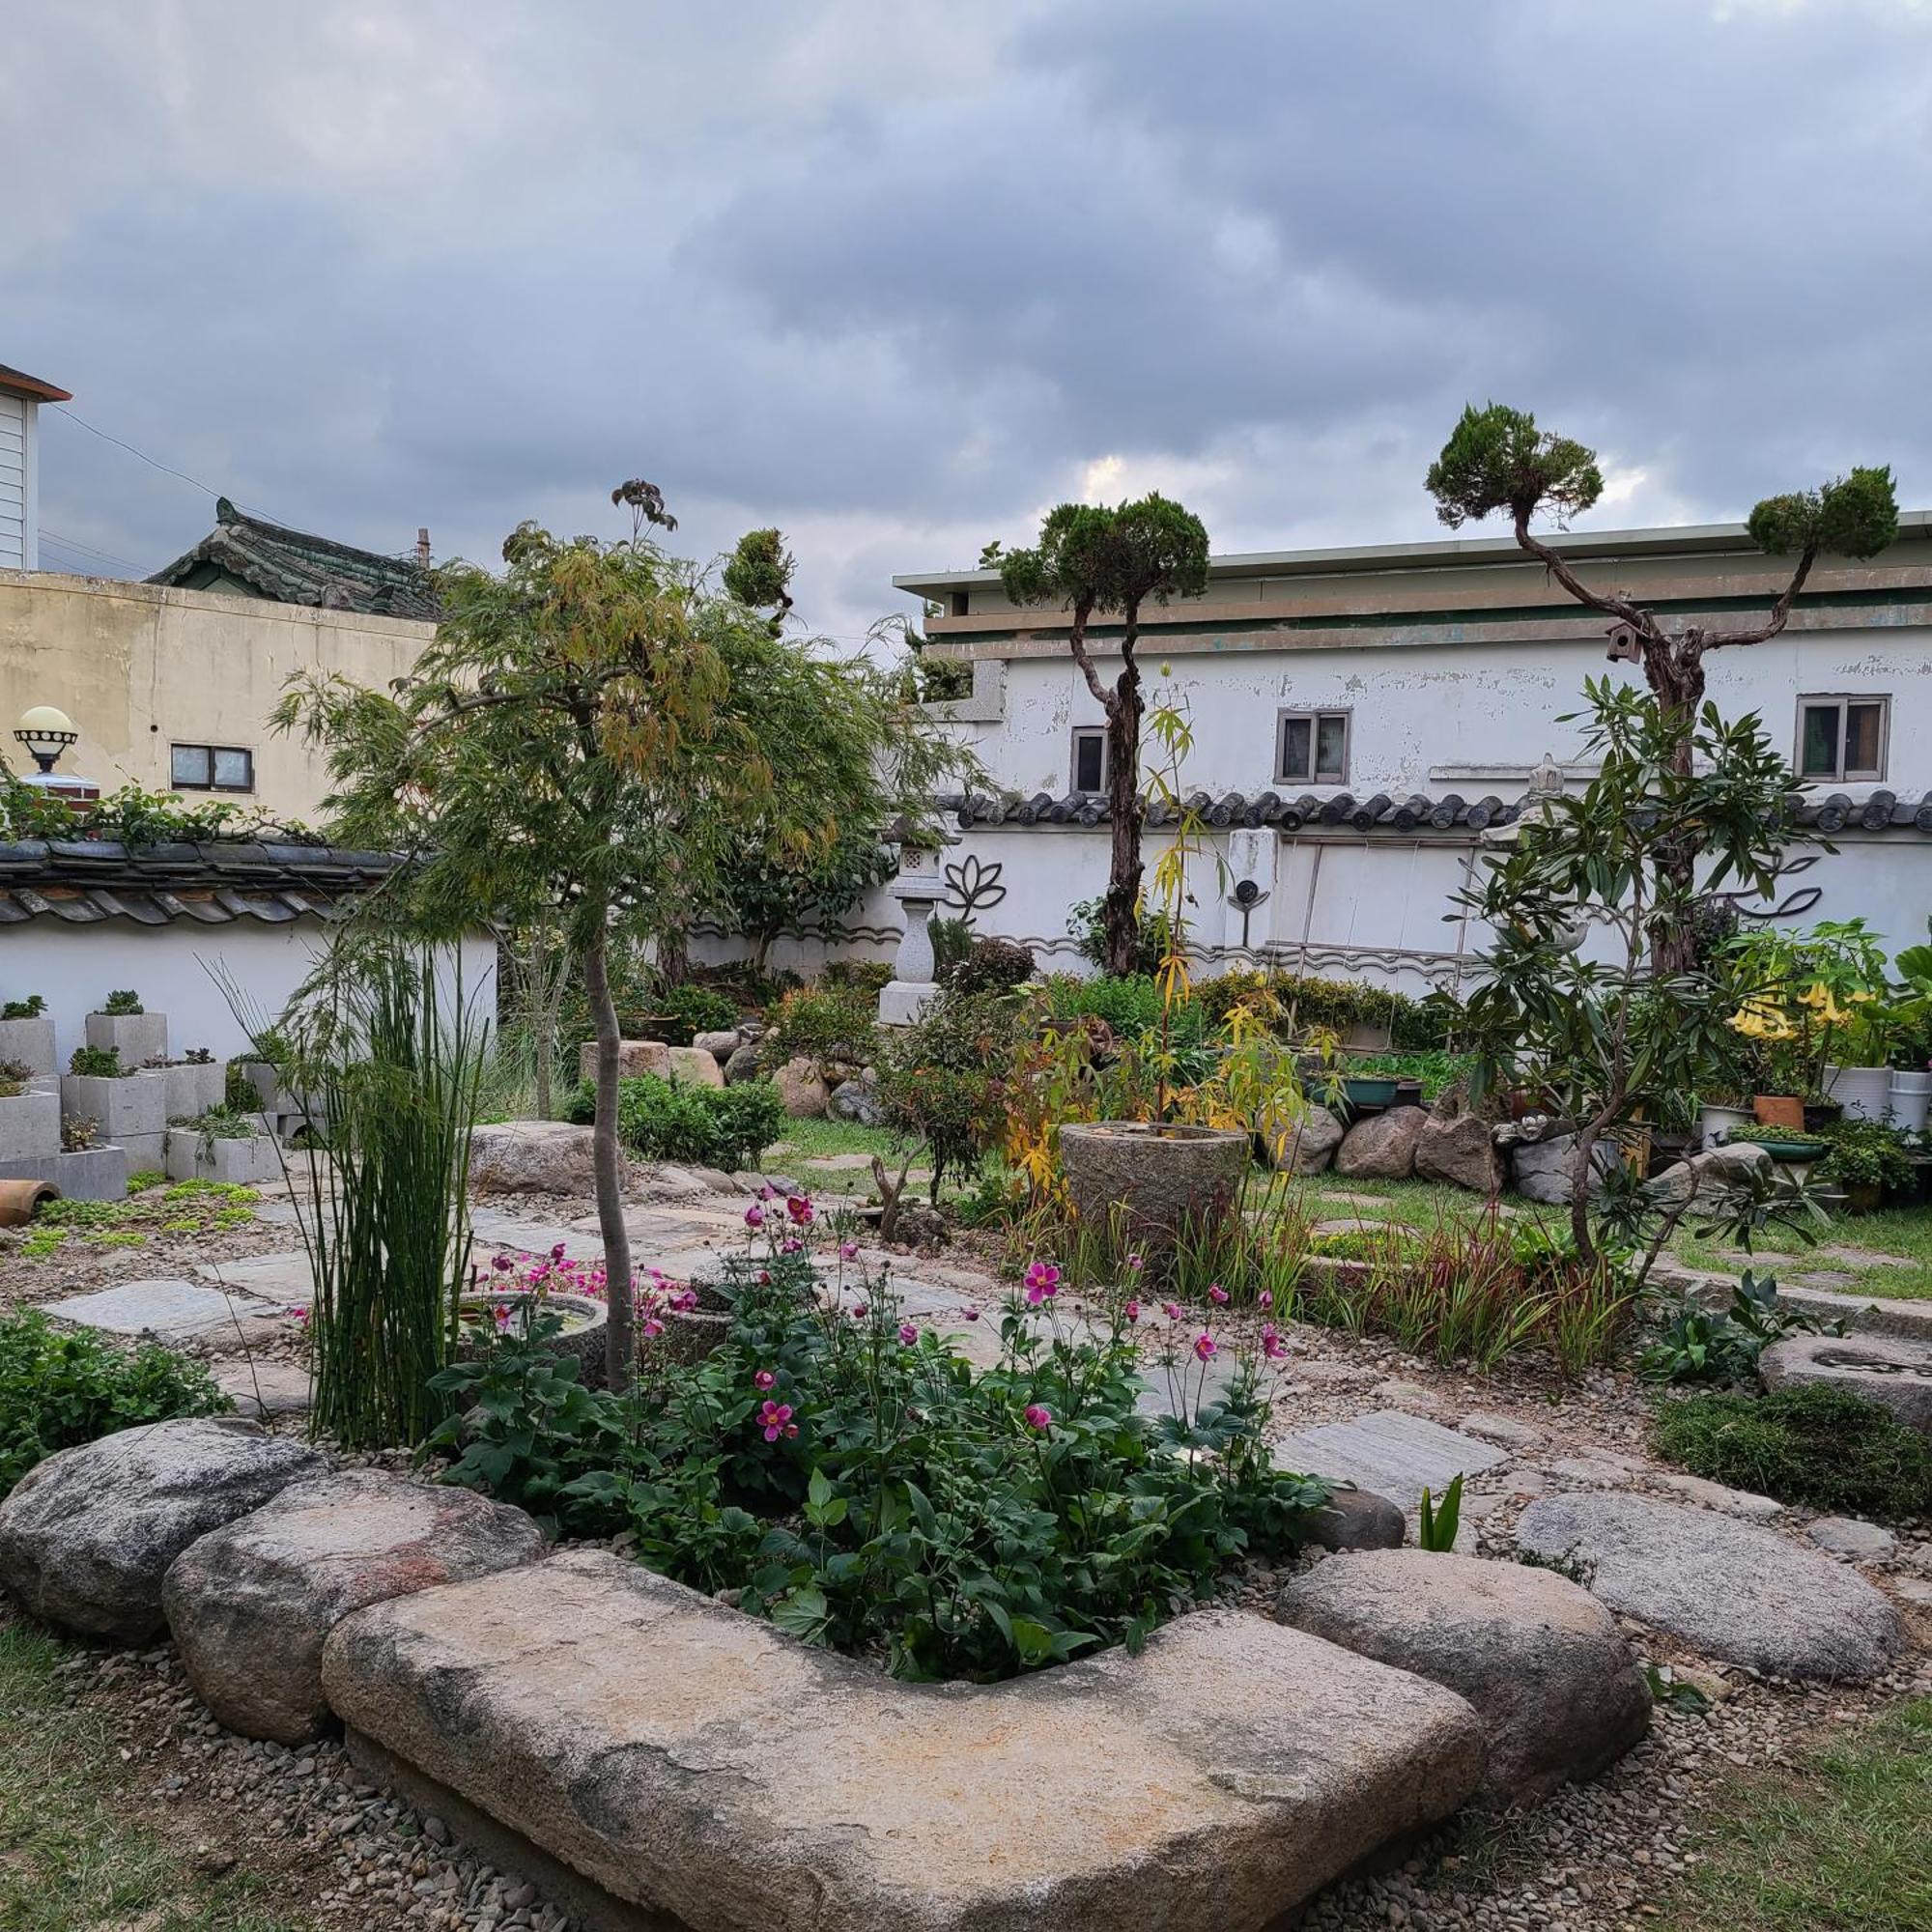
(897, 276)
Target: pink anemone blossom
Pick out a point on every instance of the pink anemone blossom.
(774, 1419)
(754, 1216)
(1038, 1416)
(764, 1380)
(1206, 1348)
(1042, 1283)
(908, 1334)
(1134, 1311)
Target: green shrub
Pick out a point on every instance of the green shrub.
(939, 1078)
(993, 966)
(822, 1022)
(1817, 1445)
(688, 1010)
(122, 1003)
(1865, 1154)
(868, 976)
(29, 1008)
(60, 1388)
(1087, 922)
(951, 939)
(1130, 1007)
(100, 1062)
(702, 1126)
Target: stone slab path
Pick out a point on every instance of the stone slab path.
(172, 1310)
(284, 1277)
(1396, 1454)
(263, 1390)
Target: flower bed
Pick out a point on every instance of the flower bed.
(845, 1475)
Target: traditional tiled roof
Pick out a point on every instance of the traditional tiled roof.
(87, 881)
(1828, 812)
(293, 567)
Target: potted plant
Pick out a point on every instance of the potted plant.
(29, 1118)
(122, 1023)
(131, 1107)
(27, 1034)
(1783, 1144)
(1799, 995)
(1868, 1160)
(1908, 1094)
(222, 1145)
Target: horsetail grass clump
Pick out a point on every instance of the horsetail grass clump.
(388, 1059)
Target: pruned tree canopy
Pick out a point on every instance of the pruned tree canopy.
(1100, 559)
(1499, 460)
(759, 572)
(1852, 516)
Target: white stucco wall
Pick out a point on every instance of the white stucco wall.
(174, 968)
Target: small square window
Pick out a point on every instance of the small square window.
(210, 768)
(1313, 748)
(1842, 738)
(1090, 759)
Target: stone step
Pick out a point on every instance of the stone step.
(1395, 1454)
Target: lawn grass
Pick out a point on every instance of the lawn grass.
(814, 1140)
(72, 1858)
(1845, 1846)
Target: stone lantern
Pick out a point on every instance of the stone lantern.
(919, 888)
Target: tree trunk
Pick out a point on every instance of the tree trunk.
(620, 1337)
(1121, 907)
(1675, 672)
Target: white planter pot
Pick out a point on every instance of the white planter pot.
(138, 1037)
(29, 1044)
(1911, 1097)
(134, 1104)
(250, 1161)
(194, 1089)
(30, 1126)
(1863, 1092)
(1713, 1123)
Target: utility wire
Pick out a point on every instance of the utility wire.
(167, 469)
(60, 542)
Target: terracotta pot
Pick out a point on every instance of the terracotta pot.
(21, 1200)
(1780, 1110)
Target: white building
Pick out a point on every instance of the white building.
(21, 398)
(1362, 716)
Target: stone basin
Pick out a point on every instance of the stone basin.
(1890, 1369)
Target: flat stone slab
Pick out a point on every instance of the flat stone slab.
(264, 1389)
(694, 1761)
(1396, 1454)
(285, 1276)
(1730, 1589)
(1892, 1370)
(172, 1310)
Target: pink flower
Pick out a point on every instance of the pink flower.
(1217, 1295)
(790, 1246)
(298, 1314)
(908, 1334)
(684, 1303)
(503, 1263)
(651, 1328)
(1042, 1283)
(766, 1191)
(971, 1314)
(774, 1419)
(1134, 1311)
(1172, 1310)
(1264, 1300)
(1204, 1349)
(800, 1208)
(1272, 1346)
(764, 1380)
(765, 1277)
(1135, 1263)
(1038, 1416)
(848, 1251)
(556, 1253)
(754, 1216)
(860, 1312)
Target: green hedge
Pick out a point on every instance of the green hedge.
(702, 1126)
(58, 1389)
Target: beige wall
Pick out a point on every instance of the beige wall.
(139, 668)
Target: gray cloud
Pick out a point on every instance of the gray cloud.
(897, 276)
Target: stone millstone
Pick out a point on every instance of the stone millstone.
(1382, 1146)
(1892, 1370)
(251, 1604)
(87, 1536)
(1730, 1589)
(694, 1761)
(1153, 1181)
(1539, 1659)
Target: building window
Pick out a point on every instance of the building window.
(1090, 758)
(1842, 737)
(1311, 748)
(212, 768)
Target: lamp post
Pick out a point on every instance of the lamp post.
(47, 732)
(919, 888)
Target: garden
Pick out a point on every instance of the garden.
(1092, 1359)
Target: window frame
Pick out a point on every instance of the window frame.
(1841, 701)
(1314, 714)
(1073, 785)
(209, 754)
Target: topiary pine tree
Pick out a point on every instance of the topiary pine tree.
(1497, 459)
(1095, 562)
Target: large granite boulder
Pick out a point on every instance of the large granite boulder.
(802, 1088)
(857, 1100)
(721, 1044)
(1705, 1177)
(1381, 1147)
(1541, 1660)
(1545, 1169)
(1731, 1589)
(532, 1157)
(1310, 1145)
(635, 1059)
(1894, 1369)
(693, 1066)
(87, 1536)
(696, 1762)
(743, 1064)
(1459, 1149)
(1355, 1518)
(250, 1604)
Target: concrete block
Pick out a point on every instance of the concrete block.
(30, 1124)
(193, 1089)
(134, 1036)
(136, 1103)
(29, 1044)
(95, 1174)
(250, 1162)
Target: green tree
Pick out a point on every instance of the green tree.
(587, 739)
(764, 893)
(1097, 562)
(1497, 459)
